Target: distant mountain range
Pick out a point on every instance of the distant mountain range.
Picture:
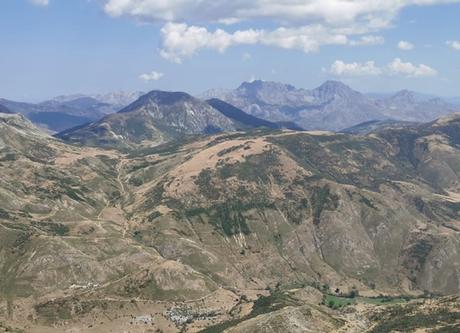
(64, 112)
(118, 99)
(332, 106)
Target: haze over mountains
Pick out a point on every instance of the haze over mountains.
(64, 112)
(332, 106)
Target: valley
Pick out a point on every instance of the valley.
(261, 230)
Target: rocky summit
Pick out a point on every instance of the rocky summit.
(163, 218)
(331, 106)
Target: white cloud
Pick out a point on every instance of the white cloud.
(368, 40)
(152, 76)
(40, 2)
(454, 44)
(411, 70)
(181, 40)
(369, 68)
(301, 24)
(405, 45)
(300, 11)
(340, 68)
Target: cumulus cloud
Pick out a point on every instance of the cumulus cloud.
(302, 24)
(40, 2)
(411, 70)
(454, 44)
(301, 11)
(405, 45)
(340, 68)
(396, 67)
(152, 76)
(181, 40)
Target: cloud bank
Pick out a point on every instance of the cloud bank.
(335, 12)
(304, 25)
(181, 40)
(396, 67)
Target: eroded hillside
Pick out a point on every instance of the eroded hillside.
(201, 232)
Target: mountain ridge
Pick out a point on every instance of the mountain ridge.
(331, 106)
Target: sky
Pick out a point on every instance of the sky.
(56, 47)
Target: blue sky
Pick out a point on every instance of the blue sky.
(56, 47)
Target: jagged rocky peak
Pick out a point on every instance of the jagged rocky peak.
(269, 92)
(404, 96)
(119, 97)
(258, 85)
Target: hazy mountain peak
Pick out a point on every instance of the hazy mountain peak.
(405, 95)
(334, 84)
(119, 98)
(260, 84)
(115, 98)
(331, 89)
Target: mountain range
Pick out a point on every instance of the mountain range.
(332, 106)
(64, 112)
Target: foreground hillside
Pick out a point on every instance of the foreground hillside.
(241, 232)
